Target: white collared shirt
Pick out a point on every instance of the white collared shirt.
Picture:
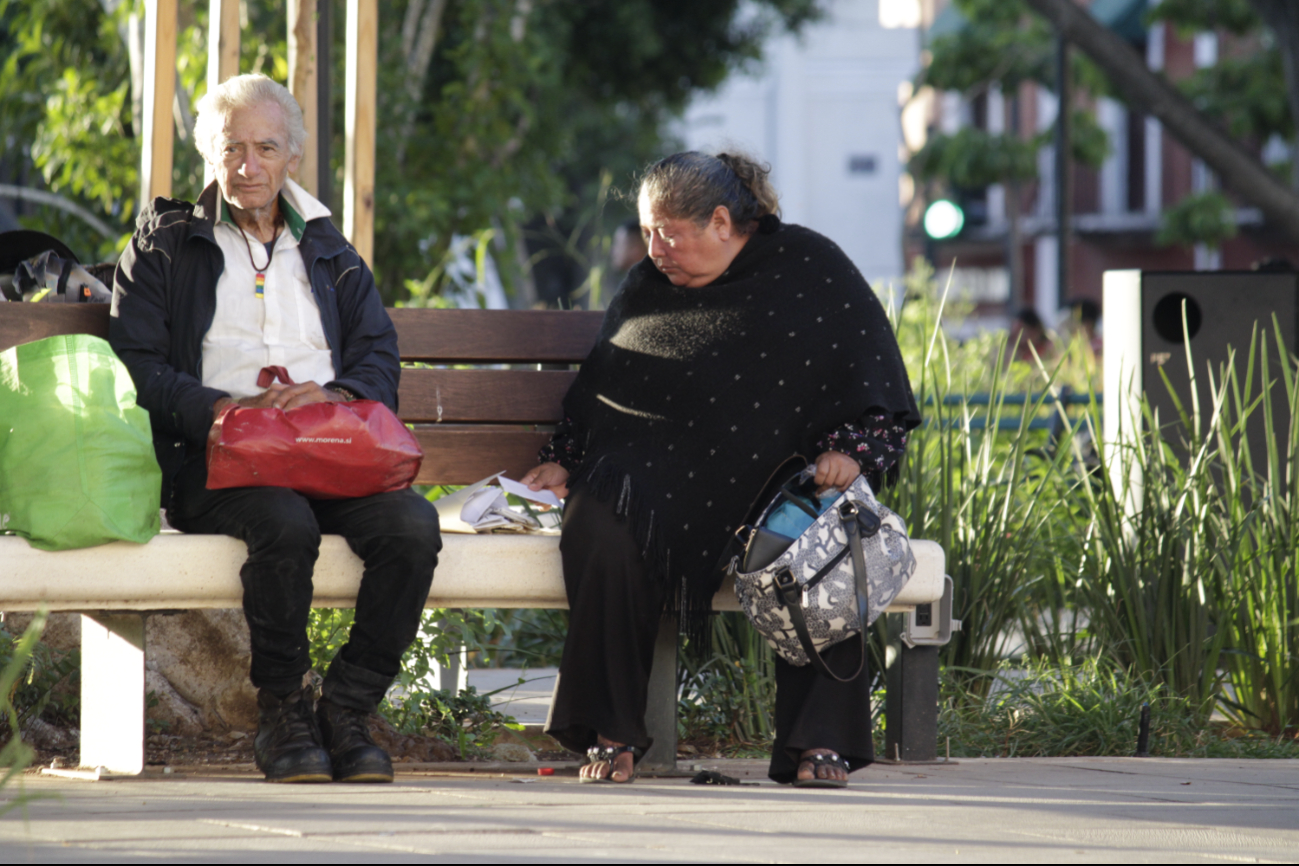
(282, 328)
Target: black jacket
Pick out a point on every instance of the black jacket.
(164, 299)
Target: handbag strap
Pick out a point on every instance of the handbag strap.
(267, 375)
(791, 593)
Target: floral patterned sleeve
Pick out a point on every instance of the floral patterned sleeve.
(563, 447)
(875, 441)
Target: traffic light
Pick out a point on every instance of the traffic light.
(943, 219)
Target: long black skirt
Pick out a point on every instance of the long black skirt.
(614, 613)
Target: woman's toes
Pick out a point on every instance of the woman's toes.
(623, 766)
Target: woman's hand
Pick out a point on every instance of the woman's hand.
(548, 476)
(835, 469)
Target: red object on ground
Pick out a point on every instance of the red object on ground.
(322, 450)
(545, 771)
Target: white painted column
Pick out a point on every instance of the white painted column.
(1113, 118)
(1202, 177)
(112, 692)
(1154, 129)
(996, 126)
(1046, 280)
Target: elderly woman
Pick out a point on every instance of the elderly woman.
(737, 343)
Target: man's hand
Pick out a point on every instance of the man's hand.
(292, 396)
(835, 469)
(548, 476)
(278, 397)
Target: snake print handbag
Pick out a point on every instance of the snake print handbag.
(843, 570)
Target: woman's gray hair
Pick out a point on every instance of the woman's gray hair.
(241, 92)
(691, 185)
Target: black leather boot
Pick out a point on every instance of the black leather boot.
(354, 755)
(287, 746)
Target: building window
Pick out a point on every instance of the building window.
(1136, 181)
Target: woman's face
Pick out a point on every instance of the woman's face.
(688, 254)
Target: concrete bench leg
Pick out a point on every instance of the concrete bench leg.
(112, 692)
(911, 699)
(661, 709)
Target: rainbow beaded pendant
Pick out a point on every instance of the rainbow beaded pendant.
(261, 285)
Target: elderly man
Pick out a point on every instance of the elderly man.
(253, 275)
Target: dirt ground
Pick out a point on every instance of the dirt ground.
(236, 748)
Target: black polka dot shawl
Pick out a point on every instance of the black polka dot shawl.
(691, 398)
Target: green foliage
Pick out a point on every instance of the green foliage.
(522, 638)
(465, 719)
(65, 105)
(1257, 501)
(1207, 218)
(46, 689)
(15, 755)
(728, 689)
(989, 498)
(1040, 708)
(524, 108)
(1197, 16)
(1089, 144)
(1247, 93)
(972, 158)
(442, 632)
(1001, 44)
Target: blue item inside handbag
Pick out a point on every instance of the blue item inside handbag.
(791, 520)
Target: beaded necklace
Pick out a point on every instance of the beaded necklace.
(259, 282)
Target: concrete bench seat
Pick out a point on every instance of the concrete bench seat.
(177, 571)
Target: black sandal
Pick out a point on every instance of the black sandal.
(818, 761)
(597, 754)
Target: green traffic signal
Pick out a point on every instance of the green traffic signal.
(943, 219)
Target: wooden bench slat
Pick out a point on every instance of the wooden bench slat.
(456, 454)
(24, 323)
(483, 396)
(496, 336)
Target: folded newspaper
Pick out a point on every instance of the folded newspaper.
(481, 507)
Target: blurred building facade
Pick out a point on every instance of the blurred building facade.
(824, 111)
(1117, 209)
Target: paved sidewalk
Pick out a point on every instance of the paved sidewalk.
(1081, 810)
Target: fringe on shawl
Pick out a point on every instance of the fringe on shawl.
(692, 602)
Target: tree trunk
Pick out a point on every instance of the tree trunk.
(1282, 16)
(419, 34)
(1238, 169)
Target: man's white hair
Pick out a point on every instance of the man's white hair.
(239, 92)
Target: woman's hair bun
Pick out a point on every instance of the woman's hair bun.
(757, 178)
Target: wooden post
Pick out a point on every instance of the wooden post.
(358, 170)
(222, 50)
(159, 94)
(303, 84)
(324, 105)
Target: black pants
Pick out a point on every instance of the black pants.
(395, 534)
(615, 609)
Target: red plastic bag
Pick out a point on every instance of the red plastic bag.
(322, 450)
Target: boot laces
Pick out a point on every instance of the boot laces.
(349, 727)
(295, 727)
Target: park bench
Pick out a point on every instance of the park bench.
(484, 399)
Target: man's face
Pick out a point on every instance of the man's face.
(253, 158)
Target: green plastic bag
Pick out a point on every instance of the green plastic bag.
(77, 466)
